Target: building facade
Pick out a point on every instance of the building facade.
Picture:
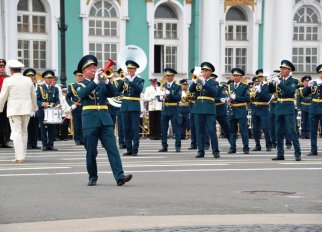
(249, 34)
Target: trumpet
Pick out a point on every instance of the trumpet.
(107, 72)
(253, 91)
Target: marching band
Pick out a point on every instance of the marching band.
(276, 106)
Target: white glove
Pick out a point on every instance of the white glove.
(74, 106)
(195, 81)
(58, 106)
(311, 83)
(203, 80)
(223, 99)
(107, 81)
(276, 80)
(233, 96)
(129, 78)
(167, 92)
(258, 88)
(32, 114)
(96, 78)
(161, 93)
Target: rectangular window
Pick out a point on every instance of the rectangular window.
(103, 52)
(165, 31)
(165, 56)
(102, 28)
(39, 54)
(305, 59)
(170, 57)
(23, 52)
(39, 24)
(236, 32)
(23, 23)
(235, 57)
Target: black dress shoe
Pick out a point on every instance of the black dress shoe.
(178, 150)
(192, 148)
(200, 155)
(91, 183)
(78, 143)
(278, 158)
(122, 146)
(288, 146)
(268, 149)
(6, 146)
(29, 148)
(257, 149)
(246, 152)
(163, 150)
(273, 145)
(36, 147)
(298, 159)
(216, 154)
(134, 154)
(206, 148)
(231, 151)
(128, 153)
(45, 149)
(124, 179)
(312, 154)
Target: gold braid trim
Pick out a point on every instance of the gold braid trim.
(73, 90)
(43, 94)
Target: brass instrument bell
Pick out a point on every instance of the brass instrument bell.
(107, 72)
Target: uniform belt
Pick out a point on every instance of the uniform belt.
(170, 104)
(183, 104)
(285, 99)
(317, 100)
(94, 107)
(193, 102)
(52, 103)
(220, 103)
(306, 103)
(206, 98)
(260, 103)
(131, 98)
(238, 104)
(273, 102)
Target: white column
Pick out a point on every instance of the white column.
(150, 21)
(11, 42)
(210, 32)
(280, 32)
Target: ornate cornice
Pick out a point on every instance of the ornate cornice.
(229, 3)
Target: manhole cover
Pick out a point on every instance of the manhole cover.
(266, 192)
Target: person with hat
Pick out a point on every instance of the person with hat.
(184, 110)
(47, 97)
(4, 125)
(285, 110)
(132, 87)
(19, 92)
(221, 108)
(260, 109)
(96, 120)
(33, 124)
(115, 110)
(238, 97)
(193, 136)
(154, 108)
(75, 103)
(303, 107)
(205, 109)
(314, 89)
(272, 104)
(170, 95)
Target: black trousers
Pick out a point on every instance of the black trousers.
(4, 127)
(33, 132)
(155, 124)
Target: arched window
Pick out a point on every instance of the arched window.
(32, 33)
(103, 31)
(305, 40)
(236, 39)
(166, 38)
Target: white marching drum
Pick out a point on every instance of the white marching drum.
(53, 116)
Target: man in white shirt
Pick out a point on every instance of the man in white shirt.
(19, 91)
(154, 107)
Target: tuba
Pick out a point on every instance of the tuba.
(130, 52)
